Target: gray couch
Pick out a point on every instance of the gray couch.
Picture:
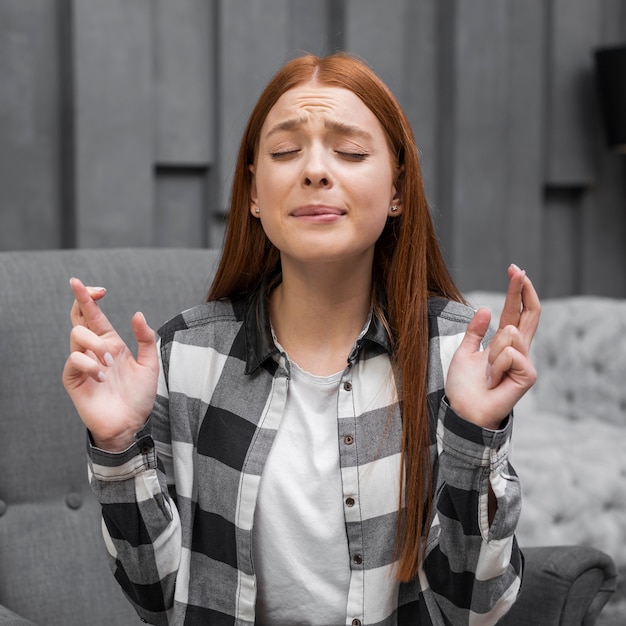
(52, 567)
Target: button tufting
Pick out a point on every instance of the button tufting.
(74, 500)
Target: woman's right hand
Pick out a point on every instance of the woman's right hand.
(112, 391)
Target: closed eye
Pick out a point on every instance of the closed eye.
(353, 156)
(285, 154)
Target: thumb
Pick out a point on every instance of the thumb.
(476, 330)
(146, 342)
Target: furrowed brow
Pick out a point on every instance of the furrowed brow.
(341, 128)
(290, 124)
(349, 130)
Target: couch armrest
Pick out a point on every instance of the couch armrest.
(563, 586)
(8, 618)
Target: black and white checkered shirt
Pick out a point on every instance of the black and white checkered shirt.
(178, 506)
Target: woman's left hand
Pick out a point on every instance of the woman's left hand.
(483, 386)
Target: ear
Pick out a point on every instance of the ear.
(253, 192)
(396, 203)
(396, 199)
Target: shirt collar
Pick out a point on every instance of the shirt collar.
(260, 344)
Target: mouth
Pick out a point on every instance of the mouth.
(318, 211)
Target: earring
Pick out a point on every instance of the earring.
(394, 208)
(257, 210)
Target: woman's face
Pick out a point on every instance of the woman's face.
(323, 176)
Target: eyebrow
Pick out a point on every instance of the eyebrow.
(336, 126)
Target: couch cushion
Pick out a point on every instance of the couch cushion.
(581, 353)
(570, 429)
(53, 567)
(573, 476)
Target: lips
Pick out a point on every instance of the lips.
(317, 211)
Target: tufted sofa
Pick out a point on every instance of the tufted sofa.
(52, 567)
(570, 431)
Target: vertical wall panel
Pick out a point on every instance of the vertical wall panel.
(114, 122)
(310, 28)
(574, 31)
(398, 39)
(29, 121)
(131, 124)
(604, 210)
(603, 222)
(523, 200)
(482, 117)
(184, 75)
(563, 238)
(419, 95)
(180, 208)
(375, 31)
(613, 22)
(253, 45)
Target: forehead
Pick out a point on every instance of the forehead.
(312, 101)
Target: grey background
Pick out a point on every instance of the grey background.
(120, 121)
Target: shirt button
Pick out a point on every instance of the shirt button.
(347, 386)
(356, 622)
(349, 501)
(358, 559)
(348, 440)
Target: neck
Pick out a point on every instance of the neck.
(318, 312)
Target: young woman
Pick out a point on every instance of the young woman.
(329, 441)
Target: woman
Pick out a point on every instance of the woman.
(329, 439)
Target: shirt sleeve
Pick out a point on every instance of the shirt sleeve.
(471, 573)
(141, 524)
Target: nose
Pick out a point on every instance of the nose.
(316, 172)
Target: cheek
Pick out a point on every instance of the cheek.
(269, 188)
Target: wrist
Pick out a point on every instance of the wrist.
(112, 445)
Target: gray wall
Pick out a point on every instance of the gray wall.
(120, 120)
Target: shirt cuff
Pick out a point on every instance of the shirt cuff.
(116, 466)
(470, 442)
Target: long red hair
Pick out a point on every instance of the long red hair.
(408, 266)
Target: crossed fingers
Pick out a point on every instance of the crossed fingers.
(509, 348)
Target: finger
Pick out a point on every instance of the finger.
(476, 331)
(78, 366)
(531, 310)
(146, 342)
(96, 293)
(511, 311)
(510, 336)
(514, 364)
(84, 340)
(87, 312)
(76, 315)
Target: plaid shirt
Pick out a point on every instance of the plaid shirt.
(178, 505)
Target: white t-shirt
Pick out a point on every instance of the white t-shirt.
(300, 547)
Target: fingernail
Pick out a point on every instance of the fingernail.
(97, 288)
(143, 317)
(108, 359)
(516, 267)
(101, 377)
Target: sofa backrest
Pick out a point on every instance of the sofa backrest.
(580, 355)
(52, 558)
